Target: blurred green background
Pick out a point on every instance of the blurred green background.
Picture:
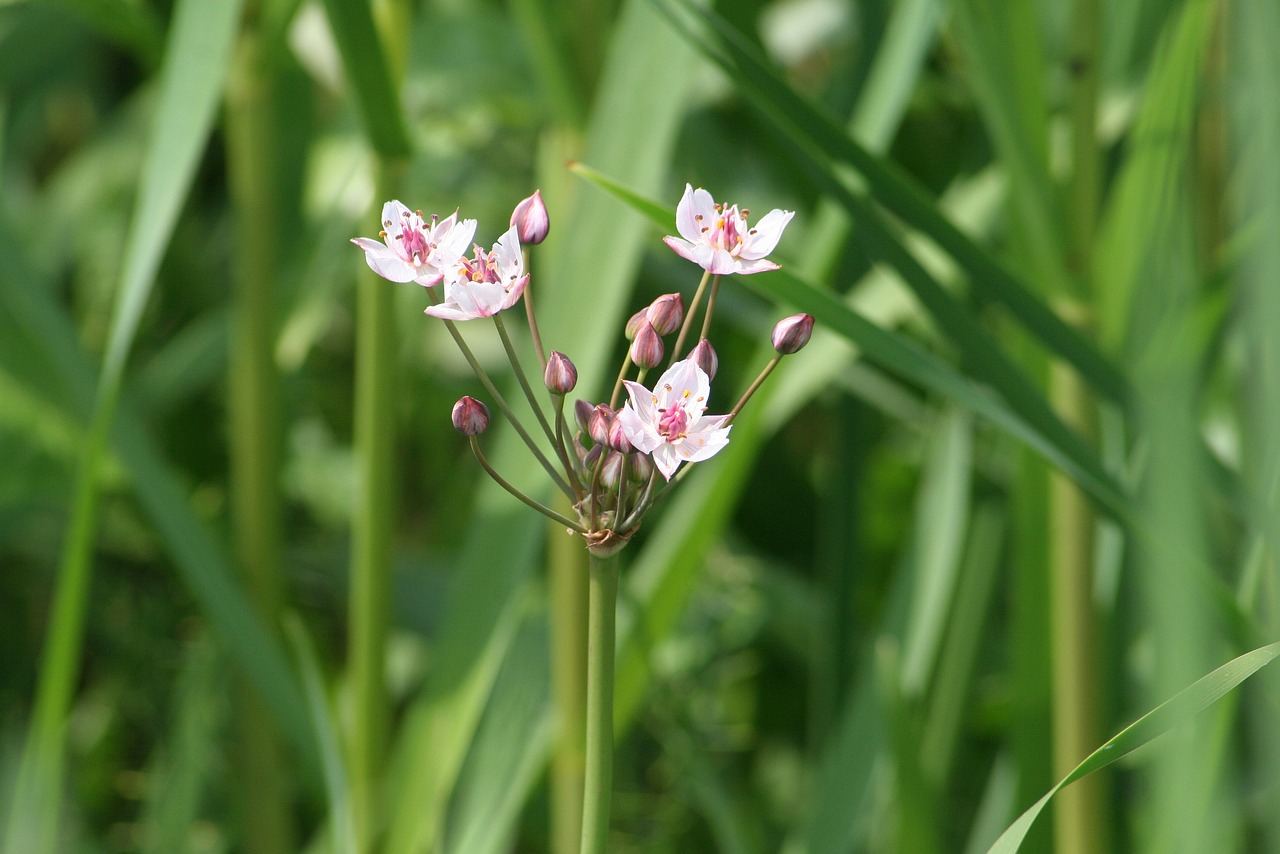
(1020, 489)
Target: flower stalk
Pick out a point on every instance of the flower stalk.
(601, 638)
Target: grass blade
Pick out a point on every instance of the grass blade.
(1178, 709)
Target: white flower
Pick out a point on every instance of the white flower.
(414, 249)
(719, 240)
(484, 285)
(669, 422)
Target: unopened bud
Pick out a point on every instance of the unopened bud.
(531, 220)
(639, 467)
(617, 437)
(704, 356)
(470, 417)
(646, 349)
(666, 313)
(560, 376)
(582, 414)
(614, 466)
(599, 422)
(792, 333)
(640, 318)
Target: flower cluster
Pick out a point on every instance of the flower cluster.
(609, 467)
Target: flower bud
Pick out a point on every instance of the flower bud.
(560, 376)
(617, 437)
(531, 220)
(646, 350)
(639, 467)
(792, 333)
(611, 473)
(666, 313)
(470, 417)
(637, 320)
(582, 414)
(704, 356)
(599, 422)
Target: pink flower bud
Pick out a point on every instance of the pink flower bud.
(639, 467)
(792, 333)
(617, 437)
(646, 349)
(531, 220)
(599, 423)
(666, 313)
(614, 466)
(561, 376)
(582, 414)
(704, 356)
(640, 318)
(470, 417)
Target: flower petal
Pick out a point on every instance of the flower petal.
(385, 262)
(762, 239)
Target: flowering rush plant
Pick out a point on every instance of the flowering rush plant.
(615, 461)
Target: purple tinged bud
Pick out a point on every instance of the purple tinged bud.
(639, 467)
(617, 438)
(704, 356)
(646, 349)
(531, 220)
(590, 457)
(792, 333)
(614, 466)
(560, 376)
(582, 414)
(599, 423)
(640, 318)
(470, 417)
(666, 313)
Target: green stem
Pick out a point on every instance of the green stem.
(567, 587)
(525, 387)
(526, 500)
(688, 317)
(502, 404)
(751, 390)
(532, 318)
(711, 307)
(602, 603)
(372, 533)
(254, 437)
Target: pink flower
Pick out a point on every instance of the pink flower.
(669, 422)
(413, 249)
(719, 240)
(484, 285)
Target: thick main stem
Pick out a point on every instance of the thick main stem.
(602, 596)
(369, 601)
(254, 447)
(567, 590)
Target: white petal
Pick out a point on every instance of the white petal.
(385, 262)
(666, 459)
(762, 239)
(685, 222)
(639, 431)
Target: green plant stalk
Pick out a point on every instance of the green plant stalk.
(602, 595)
(372, 530)
(1079, 819)
(264, 795)
(1079, 825)
(567, 577)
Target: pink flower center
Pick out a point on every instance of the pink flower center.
(413, 243)
(672, 423)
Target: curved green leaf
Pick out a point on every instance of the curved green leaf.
(1181, 707)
